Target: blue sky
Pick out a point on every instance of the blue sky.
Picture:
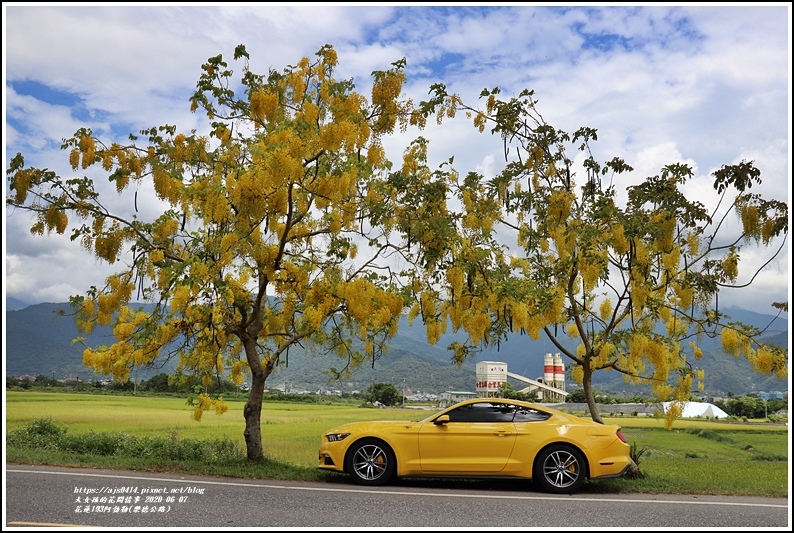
(704, 84)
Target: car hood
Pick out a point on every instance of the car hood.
(365, 426)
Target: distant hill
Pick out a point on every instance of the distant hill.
(38, 341)
(12, 304)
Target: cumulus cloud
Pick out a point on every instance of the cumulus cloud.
(703, 85)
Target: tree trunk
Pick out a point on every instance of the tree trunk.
(252, 412)
(587, 383)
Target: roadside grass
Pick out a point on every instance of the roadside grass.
(158, 434)
(716, 445)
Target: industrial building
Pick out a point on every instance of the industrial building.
(490, 375)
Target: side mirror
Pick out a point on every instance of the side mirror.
(441, 420)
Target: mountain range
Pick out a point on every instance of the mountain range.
(38, 341)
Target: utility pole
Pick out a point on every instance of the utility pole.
(403, 392)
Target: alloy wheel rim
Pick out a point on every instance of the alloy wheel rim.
(561, 469)
(370, 462)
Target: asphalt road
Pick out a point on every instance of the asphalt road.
(44, 496)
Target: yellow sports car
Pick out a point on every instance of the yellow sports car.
(478, 438)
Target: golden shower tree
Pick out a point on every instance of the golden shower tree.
(634, 277)
(264, 241)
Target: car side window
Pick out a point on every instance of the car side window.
(482, 412)
(526, 414)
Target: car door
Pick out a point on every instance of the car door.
(532, 432)
(477, 438)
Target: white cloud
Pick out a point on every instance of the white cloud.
(706, 85)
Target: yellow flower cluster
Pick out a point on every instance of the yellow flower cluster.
(685, 294)
(476, 324)
(376, 155)
(666, 223)
(123, 330)
(166, 187)
(750, 217)
(535, 324)
(435, 328)
(577, 374)
(605, 309)
(263, 105)
(676, 325)
(220, 406)
(180, 298)
(671, 260)
(107, 246)
(165, 229)
(203, 403)
(559, 207)
(730, 265)
(731, 341)
(165, 333)
(56, 219)
(673, 413)
(519, 311)
(385, 91)
(619, 241)
(590, 268)
(693, 242)
(553, 313)
(88, 150)
(413, 312)
(297, 81)
(480, 120)
(237, 373)
(696, 350)
(639, 291)
(96, 360)
(605, 352)
(74, 158)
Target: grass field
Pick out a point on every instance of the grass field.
(290, 432)
(695, 457)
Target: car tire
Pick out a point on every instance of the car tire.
(560, 469)
(371, 462)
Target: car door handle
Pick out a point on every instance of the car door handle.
(502, 433)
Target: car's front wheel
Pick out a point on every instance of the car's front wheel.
(560, 469)
(371, 462)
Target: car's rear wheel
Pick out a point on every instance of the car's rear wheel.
(560, 469)
(371, 462)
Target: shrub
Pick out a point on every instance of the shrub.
(636, 455)
(94, 443)
(45, 434)
(40, 433)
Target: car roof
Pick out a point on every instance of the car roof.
(498, 400)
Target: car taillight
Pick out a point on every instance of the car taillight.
(620, 436)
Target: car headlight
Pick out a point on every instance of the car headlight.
(336, 437)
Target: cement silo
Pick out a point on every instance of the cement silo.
(559, 372)
(548, 369)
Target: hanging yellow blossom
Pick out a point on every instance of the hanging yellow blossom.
(605, 309)
(88, 150)
(730, 265)
(577, 374)
(730, 341)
